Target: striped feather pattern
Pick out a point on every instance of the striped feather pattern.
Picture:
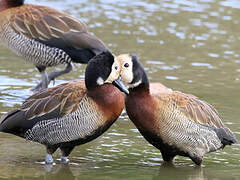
(47, 37)
(64, 97)
(188, 123)
(40, 22)
(74, 126)
(32, 50)
(178, 131)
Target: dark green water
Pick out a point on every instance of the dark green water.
(191, 46)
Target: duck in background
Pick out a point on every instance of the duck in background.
(73, 113)
(173, 122)
(46, 37)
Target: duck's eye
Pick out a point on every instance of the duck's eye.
(116, 67)
(126, 65)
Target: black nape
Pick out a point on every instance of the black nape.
(13, 3)
(138, 72)
(99, 66)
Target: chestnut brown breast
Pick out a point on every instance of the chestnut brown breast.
(140, 107)
(109, 100)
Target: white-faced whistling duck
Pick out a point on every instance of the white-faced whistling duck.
(174, 122)
(46, 37)
(71, 114)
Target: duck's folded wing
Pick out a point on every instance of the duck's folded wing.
(48, 104)
(87, 122)
(77, 117)
(56, 29)
(187, 107)
(197, 110)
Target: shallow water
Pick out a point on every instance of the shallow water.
(191, 46)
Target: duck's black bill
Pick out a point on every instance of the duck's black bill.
(119, 84)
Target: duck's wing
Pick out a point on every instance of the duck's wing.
(56, 29)
(197, 110)
(48, 104)
(193, 118)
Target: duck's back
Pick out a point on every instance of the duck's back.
(47, 37)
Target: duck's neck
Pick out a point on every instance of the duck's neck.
(141, 89)
(109, 98)
(6, 4)
(100, 92)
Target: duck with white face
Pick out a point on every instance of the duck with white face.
(174, 122)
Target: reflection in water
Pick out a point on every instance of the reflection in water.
(188, 173)
(68, 172)
(62, 172)
(191, 46)
(164, 171)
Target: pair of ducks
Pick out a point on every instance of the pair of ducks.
(75, 113)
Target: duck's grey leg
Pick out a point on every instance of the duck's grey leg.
(44, 83)
(65, 153)
(48, 159)
(50, 151)
(51, 77)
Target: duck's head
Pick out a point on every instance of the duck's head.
(14, 2)
(5, 4)
(103, 69)
(132, 72)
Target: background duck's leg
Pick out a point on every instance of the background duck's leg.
(44, 83)
(52, 75)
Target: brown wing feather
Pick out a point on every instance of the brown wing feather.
(195, 109)
(66, 97)
(44, 23)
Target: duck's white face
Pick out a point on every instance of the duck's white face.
(126, 68)
(127, 74)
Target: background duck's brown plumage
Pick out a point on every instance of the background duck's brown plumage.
(47, 37)
(53, 28)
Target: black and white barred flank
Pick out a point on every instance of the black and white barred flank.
(74, 126)
(31, 50)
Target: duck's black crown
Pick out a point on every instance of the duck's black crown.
(13, 3)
